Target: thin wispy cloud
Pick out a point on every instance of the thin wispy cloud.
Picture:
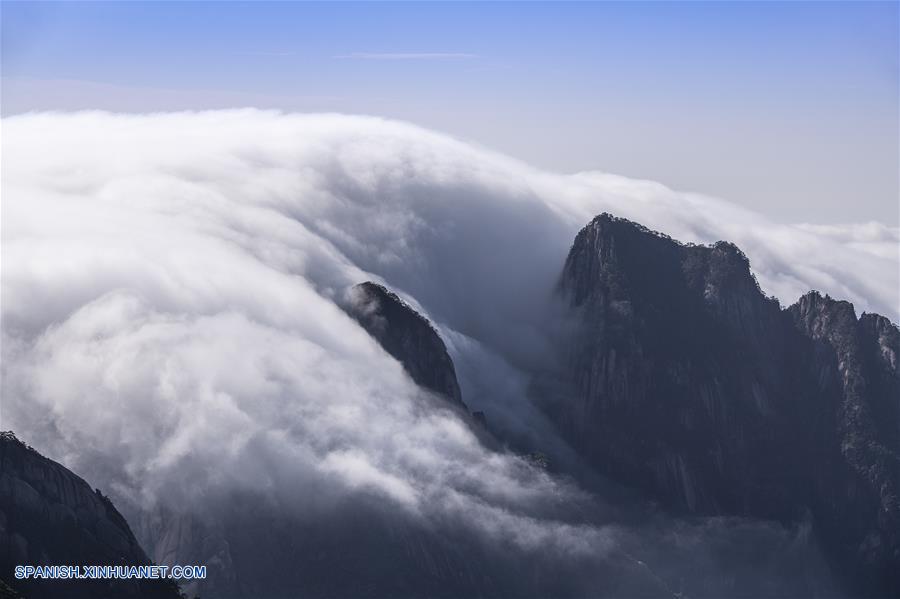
(407, 55)
(264, 53)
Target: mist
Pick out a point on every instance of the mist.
(172, 329)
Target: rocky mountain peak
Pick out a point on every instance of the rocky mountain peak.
(822, 316)
(407, 336)
(631, 258)
(51, 516)
(886, 338)
(691, 384)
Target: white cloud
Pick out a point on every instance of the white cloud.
(168, 301)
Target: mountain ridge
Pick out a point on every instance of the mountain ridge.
(407, 336)
(51, 516)
(689, 383)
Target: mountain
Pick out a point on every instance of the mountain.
(50, 516)
(684, 380)
(407, 336)
(257, 546)
(680, 379)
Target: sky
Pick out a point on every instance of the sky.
(790, 109)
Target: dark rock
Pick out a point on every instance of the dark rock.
(687, 382)
(364, 548)
(50, 516)
(855, 366)
(407, 336)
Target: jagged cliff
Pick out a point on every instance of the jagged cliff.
(50, 516)
(407, 336)
(681, 379)
(686, 381)
(256, 548)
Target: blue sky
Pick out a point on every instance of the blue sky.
(789, 108)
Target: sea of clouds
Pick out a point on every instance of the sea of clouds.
(171, 291)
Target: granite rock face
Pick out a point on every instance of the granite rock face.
(407, 336)
(686, 381)
(50, 516)
(854, 362)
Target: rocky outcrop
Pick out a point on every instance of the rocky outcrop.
(686, 381)
(408, 337)
(50, 516)
(853, 365)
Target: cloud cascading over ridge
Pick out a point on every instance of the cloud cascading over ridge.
(170, 293)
